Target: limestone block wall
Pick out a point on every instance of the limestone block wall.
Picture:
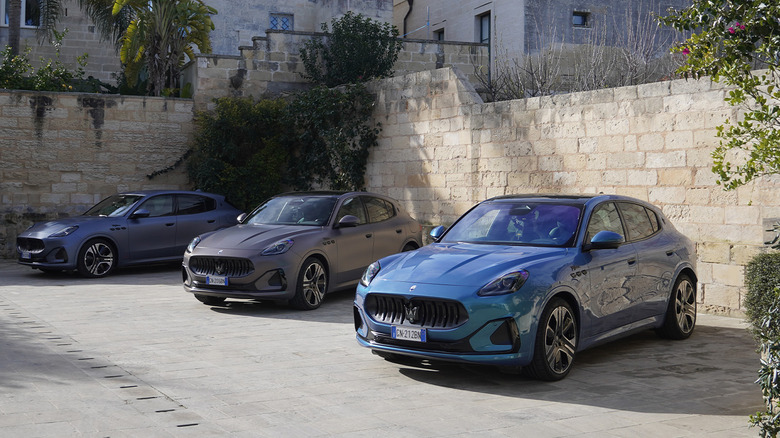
(442, 150)
(272, 65)
(60, 153)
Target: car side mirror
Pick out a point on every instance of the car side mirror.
(437, 232)
(140, 213)
(241, 217)
(606, 240)
(347, 221)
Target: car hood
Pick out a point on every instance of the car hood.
(51, 227)
(462, 264)
(254, 236)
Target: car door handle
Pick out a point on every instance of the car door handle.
(211, 221)
(631, 261)
(170, 224)
(398, 231)
(670, 253)
(368, 236)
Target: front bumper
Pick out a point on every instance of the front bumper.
(267, 280)
(46, 253)
(498, 331)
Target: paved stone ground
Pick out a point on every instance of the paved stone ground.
(134, 355)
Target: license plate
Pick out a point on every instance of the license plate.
(26, 255)
(217, 281)
(409, 334)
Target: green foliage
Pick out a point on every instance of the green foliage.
(158, 36)
(239, 150)
(762, 276)
(731, 39)
(358, 49)
(17, 73)
(768, 334)
(333, 132)
(762, 308)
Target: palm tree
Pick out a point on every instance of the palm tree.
(159, 34)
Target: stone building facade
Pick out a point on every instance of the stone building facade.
(236, 23)
(239, 21)
(272, 65)
(516, 30)
(81, 37)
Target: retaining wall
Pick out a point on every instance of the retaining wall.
(60, 153)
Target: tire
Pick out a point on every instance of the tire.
(209, 300)
(556, 342)
(97, 258)
(312, 285)
(409, 247)
(680, 316)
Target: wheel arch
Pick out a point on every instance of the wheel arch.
(571, 299)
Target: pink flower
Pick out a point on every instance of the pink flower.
(686, 51)
(741, 26)
(731, 29)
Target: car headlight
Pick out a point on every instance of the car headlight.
(370, 273)
(193, 244)
(65, 231)
(507, 284)
(278, 247)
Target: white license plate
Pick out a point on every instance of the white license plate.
(217, 281)
(409, 334)
(26, 255)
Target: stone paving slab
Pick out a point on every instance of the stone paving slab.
(134, 355)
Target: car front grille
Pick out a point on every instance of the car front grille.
(423, 312)
(30, 245)
(222, 266)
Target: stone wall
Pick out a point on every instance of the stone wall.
(272, 66)
(60, 153)
(442, 150)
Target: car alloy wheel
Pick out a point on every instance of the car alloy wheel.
(680, 316)
(96, 258)
(556, 342)
(312, 285)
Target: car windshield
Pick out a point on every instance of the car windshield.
(517, 223)
(293, 210)
(113, 206)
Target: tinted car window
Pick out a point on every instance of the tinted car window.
(113, 206)
(517, 223)
(378, 209)
(604, 218)
(193, 204)
(159, 206)
(353, 206)
(637, 221)
(293, 210)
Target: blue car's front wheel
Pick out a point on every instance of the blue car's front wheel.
(556, 342)
(97, 258)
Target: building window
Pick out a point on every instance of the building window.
(281, 22)
(31, 14)
(484, 28)
(580, 19)
(438, 35)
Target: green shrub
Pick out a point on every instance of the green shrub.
(762, 277)
(239, 150)
(768, 335)
(357, 49)
(333, 132)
